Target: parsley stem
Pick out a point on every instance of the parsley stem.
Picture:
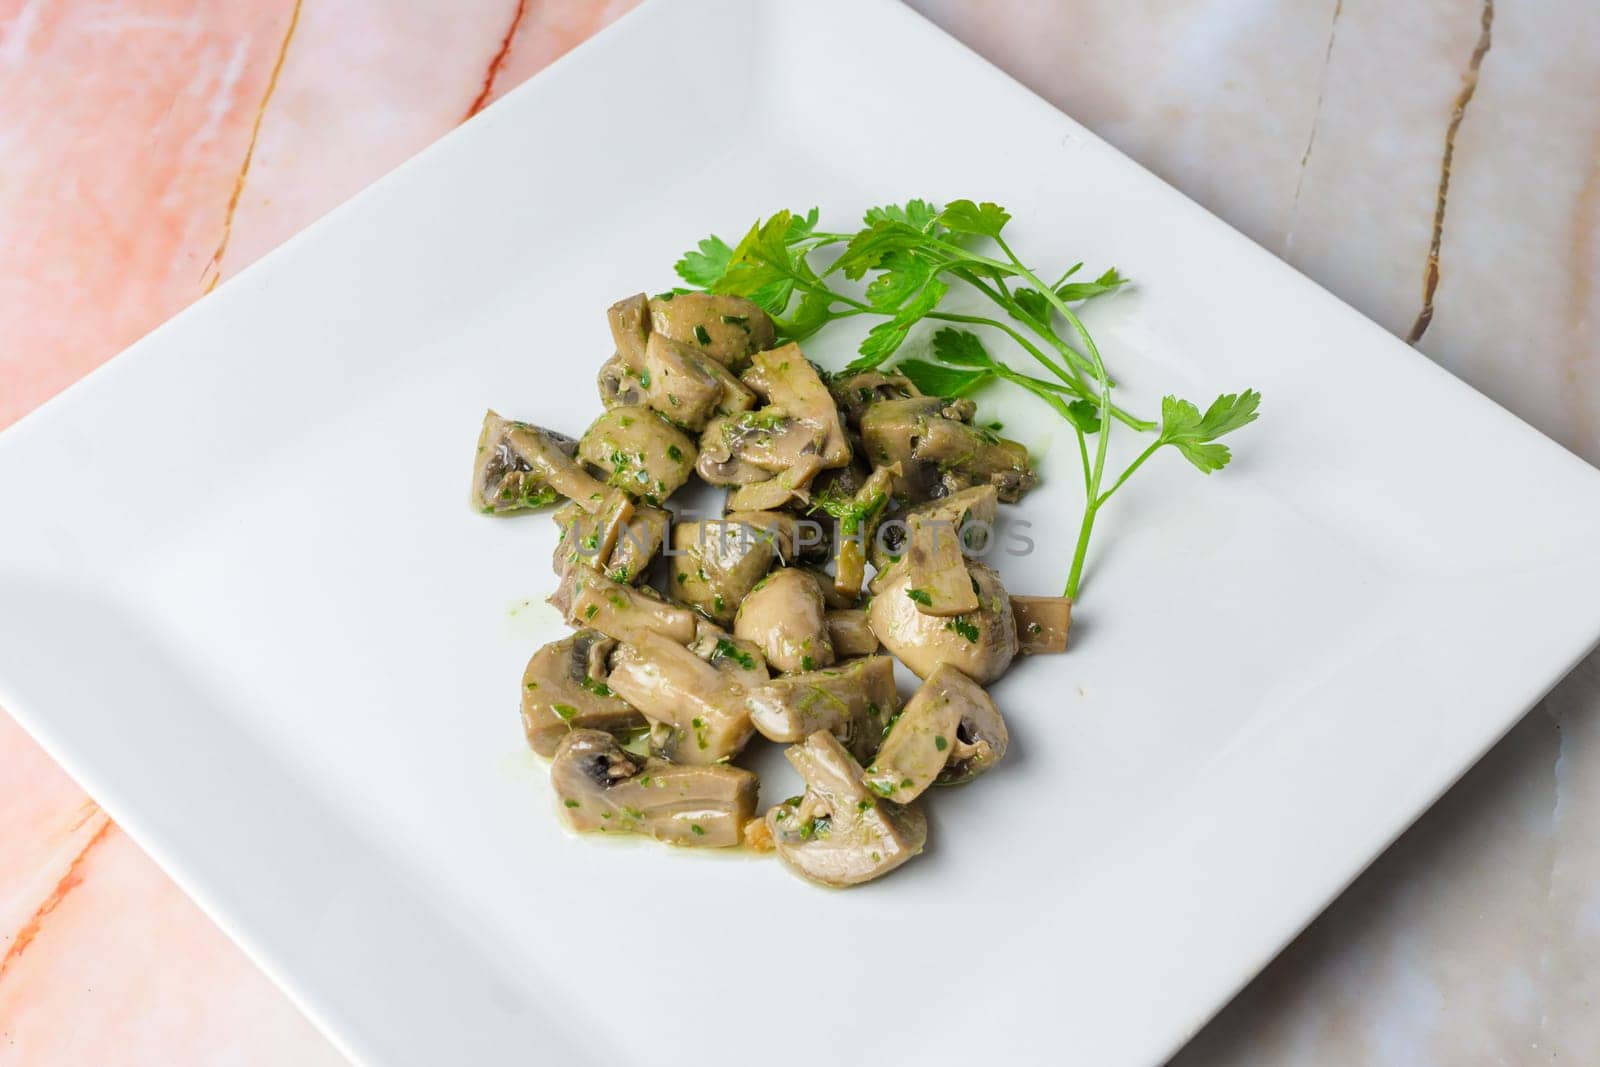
(1135, 465)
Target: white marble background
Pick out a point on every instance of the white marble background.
(1319, 128)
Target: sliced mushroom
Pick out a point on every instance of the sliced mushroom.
(949, 732)
(1042, 623)
(619, 384)
(620, 540)
(688, 387)
(519, 465)
(779, 491)
(564, 689)
(629, 319)
(937, 569)
(603, 787)
(792, 386)
(981, 643)
(853, 701)
(752, 446)
(839, 833)
(969, 455)
(639, 451)
(783, 614)
(670, 684)
(856, 392)
(587, 597)
(971, 511)
(850, 633)
(939, 452)
(717, 562)
(729, 329)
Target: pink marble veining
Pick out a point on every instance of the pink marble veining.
(149, 148)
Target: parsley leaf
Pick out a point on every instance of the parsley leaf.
(1108, 282)
(884, 339)
(960, 346)
(935, 380)
(903, 275)
(984, 220)
(1194, 434)
(917, 213)
(705, 267)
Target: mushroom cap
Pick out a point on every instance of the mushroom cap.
(853, 701)
(839, 834)
(639, 451)
(729, 329)
(602, 787)
(716, 562)
(564, 689)
(784, 614)
(629, 319)
(792, 386)
(949, 732)
(980, 644)
(519, 465)
(586, 597)
(704, 706)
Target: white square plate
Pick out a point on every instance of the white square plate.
(242, 599)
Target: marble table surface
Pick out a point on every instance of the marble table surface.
(1436, 163)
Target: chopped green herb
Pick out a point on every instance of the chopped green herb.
(966, 629)
(698, 831)
(566, 711)
(921, 596)
(701, 335)
(674, 453)
(940, 743)
(572, 803)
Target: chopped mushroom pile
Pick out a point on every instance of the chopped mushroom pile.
(854, 507)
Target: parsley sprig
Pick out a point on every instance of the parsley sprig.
(909, 256)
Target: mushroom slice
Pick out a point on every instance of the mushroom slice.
(850, 633)
(629, 319)
(752, 446)
(981, 644)
(968, 455)
(1042, 623)
(949, 732)
(937, 570)
(939, 453)
(564, 689)
(604, 788)
(677, 385)
(971, 512)
(619, 384)
(792, 385)
(853, 701)
(716, 562)
(587, 597)
(856, 392)
(839, 833)
(620, 540)
(687, 387)
(783, 614)
(639, 451)
(519, 465)
(729, 329)
(670, 684)
(779, 490)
